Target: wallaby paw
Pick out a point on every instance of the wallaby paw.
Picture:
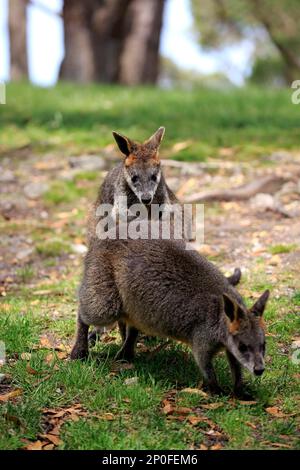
(124, 355)
(93, 337)
(77, 353)
(242, 394)
(214, 389)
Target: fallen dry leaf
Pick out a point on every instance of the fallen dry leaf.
(247, 402)
(54, 439)
(30, 370)
(194, 420)
(9, 395)
(212, 406)
(277, 413)
(203, 447)
(48, 447)
(251, 425)
(182, 410)
(168, 409)
(196, 391)
(216, 446)
(38, 445)
(107, 417)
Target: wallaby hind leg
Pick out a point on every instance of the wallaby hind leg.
(81, 349)
(203, 353)
(127, 350)
(235, 278)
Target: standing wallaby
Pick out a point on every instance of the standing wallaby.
(160, 288)
(140, 179)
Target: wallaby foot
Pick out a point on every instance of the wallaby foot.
(81, 349)
(127, 351)
(95, 335)
(235, 278)
(213, 388)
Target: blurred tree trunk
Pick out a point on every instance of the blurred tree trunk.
(108, 32)
(17, 39)
(78, 63)
(112, 40)
(140, 57)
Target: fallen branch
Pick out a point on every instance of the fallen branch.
(267, 184)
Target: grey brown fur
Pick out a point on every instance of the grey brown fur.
(162, 289)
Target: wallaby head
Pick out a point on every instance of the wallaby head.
(246, 338)
(142, 169)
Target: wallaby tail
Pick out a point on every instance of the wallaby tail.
(235, 278)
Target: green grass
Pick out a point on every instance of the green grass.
(74, 119)
(138, 421)
(278, 249)
(77, 120)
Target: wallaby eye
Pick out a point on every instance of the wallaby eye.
(154, 178)
(134, 178)
(243, 348)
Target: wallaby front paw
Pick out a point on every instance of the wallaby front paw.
(242, 394)
(77, 353)
(124, 355)
(93, 337)
(214, 389)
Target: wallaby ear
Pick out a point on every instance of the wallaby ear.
(156, 138)
(260, 305)
(124, 144)
(233, 312)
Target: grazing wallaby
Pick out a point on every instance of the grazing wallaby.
(160, 288)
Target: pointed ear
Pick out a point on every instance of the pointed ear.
(156, 138)
(233, 312)
(260, 305)
(124, 144)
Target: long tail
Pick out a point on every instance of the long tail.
(235, 278)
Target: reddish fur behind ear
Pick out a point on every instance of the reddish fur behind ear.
(130, 160)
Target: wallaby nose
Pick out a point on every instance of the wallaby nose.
(146, 199)
(259, 371)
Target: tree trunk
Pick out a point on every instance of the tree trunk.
(78, 63)
(107, 29)
(140, 57)
(17, 39)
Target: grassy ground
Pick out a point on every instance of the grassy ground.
(46, 401)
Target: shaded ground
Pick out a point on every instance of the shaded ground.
(47, 401)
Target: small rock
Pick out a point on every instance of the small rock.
(87, 162)
(79, 248)
(35, 190)
(263, 201)
(44, 215)
(23, 254)
(7, 176)
(296, 344)
(131, 381)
